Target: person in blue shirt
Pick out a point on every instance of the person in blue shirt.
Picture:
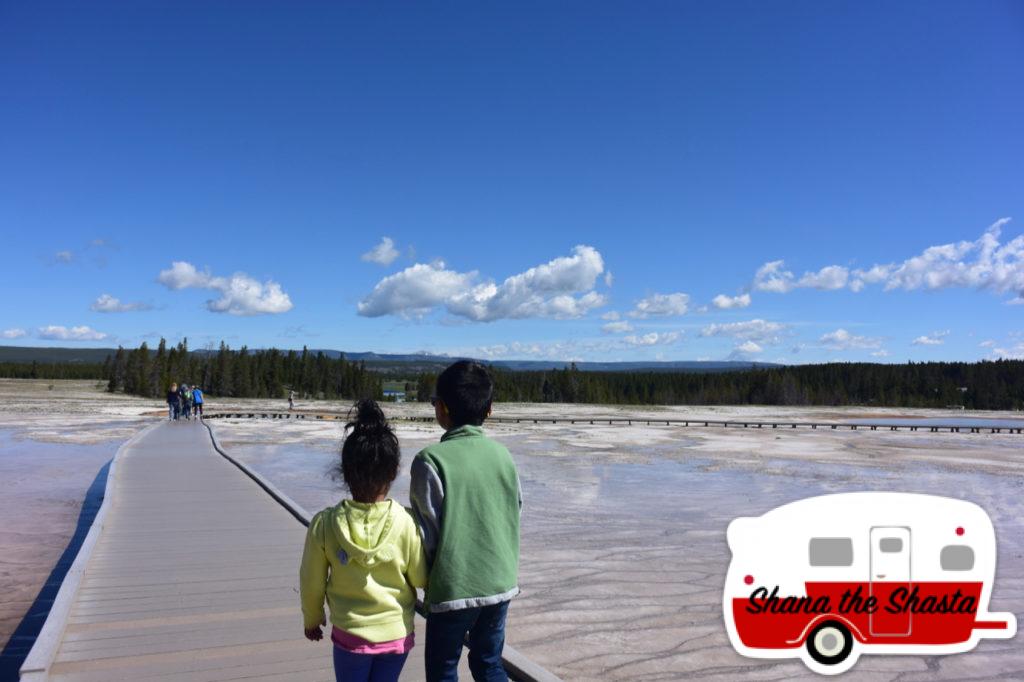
(197, 402)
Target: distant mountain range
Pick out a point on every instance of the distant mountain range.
(398, 361)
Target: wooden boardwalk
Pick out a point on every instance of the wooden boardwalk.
(192, 575)
(882, 425)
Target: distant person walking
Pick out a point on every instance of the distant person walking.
(186, 401)
(197, 402)
(365, 557)
(173, 402)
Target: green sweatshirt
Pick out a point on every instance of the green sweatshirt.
(466, 496)
(367, 561)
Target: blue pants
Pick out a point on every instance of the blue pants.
(446, 633)
(350, 667)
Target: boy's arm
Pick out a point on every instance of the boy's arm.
(313, 574)
(416, 571)
(519, 486)
(426, 493)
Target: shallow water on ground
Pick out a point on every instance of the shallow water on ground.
(42, 486)
(623, 557)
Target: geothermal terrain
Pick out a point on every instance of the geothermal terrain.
(624, 550)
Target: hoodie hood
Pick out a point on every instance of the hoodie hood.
(363, 532)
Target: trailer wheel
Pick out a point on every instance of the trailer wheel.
(830, 643)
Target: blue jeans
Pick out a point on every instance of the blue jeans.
(446, 633)
(350, 667)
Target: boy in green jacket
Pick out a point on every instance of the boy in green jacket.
(467, 500)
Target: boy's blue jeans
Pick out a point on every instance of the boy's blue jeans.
(350, 667)
(446, 634)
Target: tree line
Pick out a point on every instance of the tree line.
(987, 385)
(269, 373)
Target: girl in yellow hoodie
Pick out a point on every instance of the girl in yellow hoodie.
(365, 557)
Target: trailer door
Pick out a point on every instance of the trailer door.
(890, 569)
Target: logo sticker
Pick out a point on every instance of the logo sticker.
(829, 578)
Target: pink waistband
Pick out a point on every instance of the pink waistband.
(358, 645)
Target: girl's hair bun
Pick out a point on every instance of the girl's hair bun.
(369, 418)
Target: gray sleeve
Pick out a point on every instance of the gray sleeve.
(519, 486)
(426, 494)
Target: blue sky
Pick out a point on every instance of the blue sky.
(539, 180)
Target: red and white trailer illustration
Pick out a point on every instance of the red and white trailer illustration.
(828, 578)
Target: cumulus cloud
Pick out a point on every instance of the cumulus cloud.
(661, 305)
(881, 353)
(749, 347)
(14, 333)
(652, 339)
(561, 289)
(987, 344)
(1015, 352)
(723, 302)
(611, 316)
(758, 330)
(985, 264)
(108, 304)
(841, 339)
(61, 333)
(240, 294)
(619, 327)
(382, 254)
(934, 339)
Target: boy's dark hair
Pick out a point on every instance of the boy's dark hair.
(467, 389)
(370, 455)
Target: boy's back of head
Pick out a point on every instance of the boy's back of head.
(466, 388)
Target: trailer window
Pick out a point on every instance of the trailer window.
(891, 545)
(831, 552)
(956, 558)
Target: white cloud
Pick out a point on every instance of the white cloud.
(661, 305)
(841, 339)
(881, 353)
(15, 333)
(758, 330)
(934, 339)
(64, 256)
(772, 277)
(611, 316)
(619, 327)
(723, 302)
(240, 294)
(987, 344)
(608, 278)
(749, 347)
(1015, 352)
(108, 304)
(562, 289)
(61, 333)
(985, 264)
(652, 339)
(382, 254)
(829, 278)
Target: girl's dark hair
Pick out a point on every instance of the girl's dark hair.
(370, 455)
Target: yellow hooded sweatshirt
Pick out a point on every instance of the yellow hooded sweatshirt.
(367, 561)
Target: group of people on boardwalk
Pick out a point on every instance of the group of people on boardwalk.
(459, 542)
(184, 402)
